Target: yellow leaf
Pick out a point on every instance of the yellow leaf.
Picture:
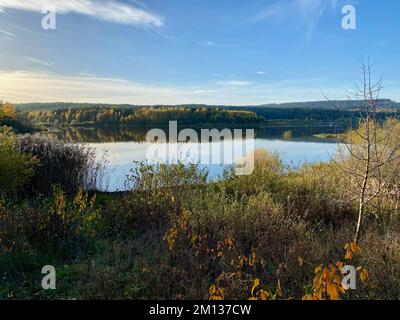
(263, 295)
(318, 269)
(326, 275)
(252, 259)
(300, 261)
(256, 283)
(216, 293)
(354, 247)
(340, 265)
(351, 248)
(332, 269)
(364, 275)
(349, 255)
(317, 282)
(332, 290)
(212, 290)
(318, 294)
(242, 260)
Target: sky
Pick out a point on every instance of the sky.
(232, 52)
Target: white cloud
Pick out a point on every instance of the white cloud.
(34, 86)
(286, 9)
(30, 86)
(209, 43)
(7, 33)
(38, 61)
(107, 10)
(205, 91)
(260, 72)
(307, 12)
(206, 43)
(239, 83)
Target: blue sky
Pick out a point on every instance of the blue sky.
(235, 52)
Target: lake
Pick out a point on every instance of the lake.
(122, 146)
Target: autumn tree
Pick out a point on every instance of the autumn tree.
(7, 110)
(369, 156)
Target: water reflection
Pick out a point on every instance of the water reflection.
(138, 134)
(123, 146)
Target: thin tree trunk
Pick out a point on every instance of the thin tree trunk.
(360, 218)
(361, 208)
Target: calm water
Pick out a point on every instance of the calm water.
(124, 146)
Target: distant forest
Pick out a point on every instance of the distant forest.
(106, 115)
(342, 104)
(117, 116)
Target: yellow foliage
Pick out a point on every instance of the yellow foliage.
(16, 168)
(256, 283)
(326, 284)
(351, 248)
(181, 224)
(242, 260)
(216, 293)
(252, 259)
(364, 275)
(287, 135)
(81, 213)
(8, 110)
(171, 236)
(339, 265)
(300, 261)
(327, 280)
(260, 294)
(230, 242)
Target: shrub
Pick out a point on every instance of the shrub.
(315, 192)
(157, 192)
(267, 175)
(16, 168)
(55, 224)
(222, 239)
(67, 165)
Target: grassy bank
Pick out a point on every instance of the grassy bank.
(332, 136)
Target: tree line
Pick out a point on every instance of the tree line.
(72, 114)
(10, 117)
(114, 116)
(383, 104)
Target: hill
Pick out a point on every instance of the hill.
(322, 105)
